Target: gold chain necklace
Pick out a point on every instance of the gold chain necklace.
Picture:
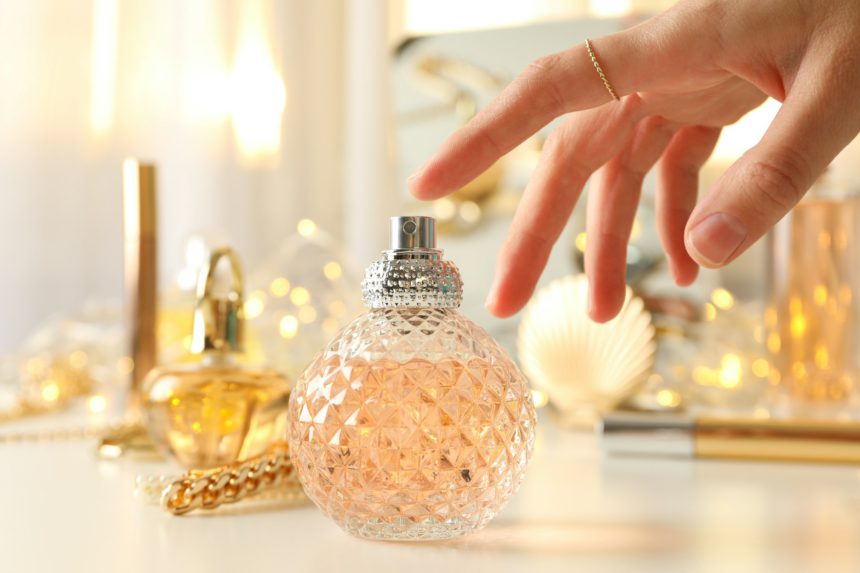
(269, 476)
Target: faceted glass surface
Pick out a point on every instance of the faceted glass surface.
(411, 424)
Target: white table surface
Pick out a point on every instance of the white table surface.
(62, 510)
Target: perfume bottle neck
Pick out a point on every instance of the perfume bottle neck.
(218, 320)
(217, 358)
(412, 273)
(412, 282)
(407, 254)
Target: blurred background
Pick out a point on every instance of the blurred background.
(287, 129)
(258, 114)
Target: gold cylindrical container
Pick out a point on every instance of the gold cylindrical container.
(778, 440)
(141, 271)
(812, 319)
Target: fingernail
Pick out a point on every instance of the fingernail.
(590, 307)
(676, 274)
(490, 301)
(716, 238)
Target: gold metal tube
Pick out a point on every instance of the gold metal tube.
(784, 440)
(141, 276)
(794, 440)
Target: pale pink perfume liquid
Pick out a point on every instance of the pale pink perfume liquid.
(413, 424)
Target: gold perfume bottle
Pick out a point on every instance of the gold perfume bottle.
(813, 317)
(215, 411)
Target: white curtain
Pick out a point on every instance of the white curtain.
(241, 104)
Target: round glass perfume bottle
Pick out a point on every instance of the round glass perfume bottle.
(215, 411)
(412, 423)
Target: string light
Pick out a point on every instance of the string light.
(722, 299)
(307, 314)
(288, 326)
(774, 343)
(279, 287)
(710, 312)
(822, 356)
(255, 304)
(332, 271)
(50, 392)
(300, 296)
(96, 404)
(540, 398)
(306, 227)
(470, 212)
(761, 367)
(703, 376)
(798, 325)
(668, 398)
(819, 295)
(444, 209)
(730, 371)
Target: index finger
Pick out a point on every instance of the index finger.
(537, 96)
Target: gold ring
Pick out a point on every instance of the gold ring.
(600, 70)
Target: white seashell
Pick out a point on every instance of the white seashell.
(580, 364)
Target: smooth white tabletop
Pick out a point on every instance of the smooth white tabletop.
(62, 510)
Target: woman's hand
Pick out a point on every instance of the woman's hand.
(682, 75)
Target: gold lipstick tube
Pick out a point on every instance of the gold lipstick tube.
(141, 277)
(821, 441)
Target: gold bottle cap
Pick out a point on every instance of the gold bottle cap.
(219, 321)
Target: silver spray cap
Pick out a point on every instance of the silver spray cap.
(412, 273)
(412, 233)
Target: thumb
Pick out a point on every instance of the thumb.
(814, 124)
